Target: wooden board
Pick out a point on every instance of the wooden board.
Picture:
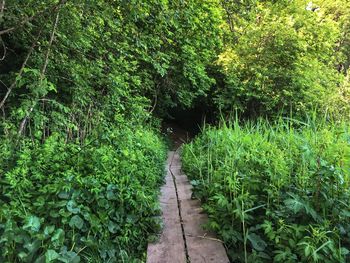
(170, 247)
(202, 246)
(199, 245)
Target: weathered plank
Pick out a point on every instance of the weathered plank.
(202, 246)
(170, 247)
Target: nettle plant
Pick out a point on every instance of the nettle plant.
(275, 192)
(71, 203)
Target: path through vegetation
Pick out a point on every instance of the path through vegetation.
(183, 238)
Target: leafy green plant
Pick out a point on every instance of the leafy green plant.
(275, 192)
(95, 203)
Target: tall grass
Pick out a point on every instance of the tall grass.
(275, 192)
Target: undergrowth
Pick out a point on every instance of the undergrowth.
(275, 192)
(64, 202)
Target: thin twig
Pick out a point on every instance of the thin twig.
(4, 48)
(80, 250)
(2, 8)
(43, 71)
(155, 100)
(4, 84)
(208, 238)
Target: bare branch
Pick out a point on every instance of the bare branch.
(4, 48)
(2, 8)
(4, 84)
(155, 100)
(43, 71)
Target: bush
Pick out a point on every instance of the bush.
(275, 193)
(66, 203)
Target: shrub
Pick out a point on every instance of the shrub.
(69, 203)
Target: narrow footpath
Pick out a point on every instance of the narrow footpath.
(183, 239)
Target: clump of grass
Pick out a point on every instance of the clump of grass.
(275, 192)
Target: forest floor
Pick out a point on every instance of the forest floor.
(183, 238)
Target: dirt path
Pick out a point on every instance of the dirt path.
(183, 239)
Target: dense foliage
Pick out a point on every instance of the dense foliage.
(275, 193)
(98, 203)
(260, 57)
(81, 161)
(285, 56)
(105, 57)
(84, 85)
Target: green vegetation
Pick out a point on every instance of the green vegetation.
(275, 192)
(81, 158)
(280, 56)
(85, 85)
(96, 203)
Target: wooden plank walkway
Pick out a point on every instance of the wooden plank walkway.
(183, 239)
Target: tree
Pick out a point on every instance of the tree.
(282, 58)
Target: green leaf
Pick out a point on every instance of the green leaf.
(256, 241)
(111, 195)
(51, 87)
(64, 195)
(72, 207)
(48, 230)
(294, 205)
(69, 257)
(58, 236)
(51, 255)
(32, 247)
(113, 227)
(77, 222)
(32, 223)
(344, 251)
(22, 255)
(345, 213)
(40, 259)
